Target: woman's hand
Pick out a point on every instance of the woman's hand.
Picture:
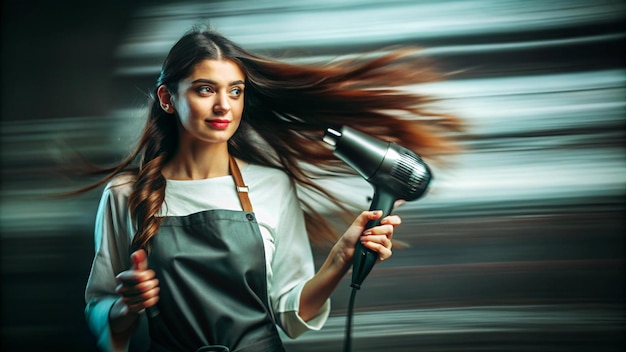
(317, 290)
(138, 289)
(138, 286)
(377, 238)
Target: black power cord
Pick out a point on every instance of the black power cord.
(347, 343)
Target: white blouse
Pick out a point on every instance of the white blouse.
(289, 260)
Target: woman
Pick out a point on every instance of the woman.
(207, 234)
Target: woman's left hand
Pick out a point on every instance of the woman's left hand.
(317, 290)
(377, 238)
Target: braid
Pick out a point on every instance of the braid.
(145, 202)
(148, 193)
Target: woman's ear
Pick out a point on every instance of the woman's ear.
(165, 99)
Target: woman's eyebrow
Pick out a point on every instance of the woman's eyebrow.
(208, 81)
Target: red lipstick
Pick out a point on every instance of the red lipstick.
(219, 124)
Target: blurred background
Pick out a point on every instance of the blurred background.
(519, 245)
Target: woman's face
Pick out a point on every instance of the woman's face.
(209, 102)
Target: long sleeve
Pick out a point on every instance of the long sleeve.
(292, 266)
(112, 236)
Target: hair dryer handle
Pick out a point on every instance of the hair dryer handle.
(364, 258)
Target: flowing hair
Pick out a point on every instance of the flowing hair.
(287, 108)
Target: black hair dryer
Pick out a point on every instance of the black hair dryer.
(394, 171)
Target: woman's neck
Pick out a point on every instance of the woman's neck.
(193, 162)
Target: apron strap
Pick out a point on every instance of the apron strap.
(242, 189)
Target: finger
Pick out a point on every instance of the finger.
(139, 259)
(383, 252)
(391, 220)
(383, 240)
(136, 289)
(134, 277)
(141, 298)
(131, 277)
(384, 230)
(366, 216)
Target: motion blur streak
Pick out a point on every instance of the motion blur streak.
(519, 245)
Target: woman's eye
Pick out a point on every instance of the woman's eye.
(204, 90)
(236, 91)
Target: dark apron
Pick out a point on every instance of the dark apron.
(212, 276)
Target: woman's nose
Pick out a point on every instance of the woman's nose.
(221, 104)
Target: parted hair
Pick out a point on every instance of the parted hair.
(287, 108)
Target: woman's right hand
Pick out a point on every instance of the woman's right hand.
(138, 289)
(138, 286)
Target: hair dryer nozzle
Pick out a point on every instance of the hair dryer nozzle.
(360, 151)
(383, 164)
(331, 136)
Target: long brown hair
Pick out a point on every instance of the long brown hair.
(286, 110)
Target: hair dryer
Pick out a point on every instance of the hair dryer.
(395, 173)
